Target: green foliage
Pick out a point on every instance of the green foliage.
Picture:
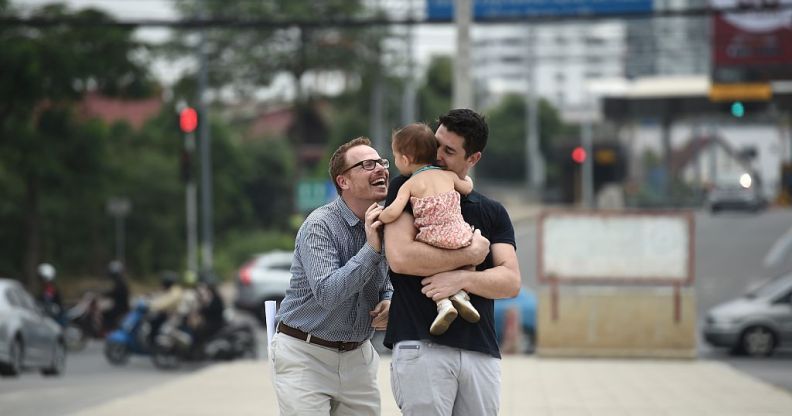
(505, 152)
(434, 96)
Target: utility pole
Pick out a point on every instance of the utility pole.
(588, 165)
(206, 156)
(408, 97)
(534, 169)
(463, 93)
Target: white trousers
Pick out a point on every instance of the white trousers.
(314, 380)
(435, 380)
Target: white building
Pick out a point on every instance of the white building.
(566, 55)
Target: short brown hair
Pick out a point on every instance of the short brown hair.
(338, 160)
(418, 142)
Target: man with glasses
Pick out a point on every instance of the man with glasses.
(322, 357)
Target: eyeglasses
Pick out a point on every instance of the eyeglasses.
(369, 164)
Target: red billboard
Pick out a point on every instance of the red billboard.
(752, 45)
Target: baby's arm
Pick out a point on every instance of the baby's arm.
(396, 207)
(463, 186)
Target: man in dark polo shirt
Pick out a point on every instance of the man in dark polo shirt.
(457, 373)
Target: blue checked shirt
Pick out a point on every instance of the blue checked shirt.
(337, 278)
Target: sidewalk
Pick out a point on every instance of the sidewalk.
(531, 386)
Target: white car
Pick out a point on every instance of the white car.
(265, 277)
(29, 339)
(737, 191)
(756, 323)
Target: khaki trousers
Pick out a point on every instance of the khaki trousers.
(314, 380)
(435, 380)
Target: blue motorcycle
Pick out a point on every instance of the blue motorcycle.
(131, 337)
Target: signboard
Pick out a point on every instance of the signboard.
(752, 46)
(443, 10)
(596, 247)
(313, 193)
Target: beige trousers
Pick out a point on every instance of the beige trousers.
(314, 380)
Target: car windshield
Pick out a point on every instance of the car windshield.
(771, 287)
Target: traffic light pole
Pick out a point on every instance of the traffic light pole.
(191, 204)
(206, 160)
(588, 166)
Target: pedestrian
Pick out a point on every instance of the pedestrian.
(322, 357)
(458, 372)
(435, 195)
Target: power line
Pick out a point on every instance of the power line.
(266, 24)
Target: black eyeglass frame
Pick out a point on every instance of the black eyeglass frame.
(373, 163)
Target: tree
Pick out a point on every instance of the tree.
(43, 71)
(506, 146)
(434, 96)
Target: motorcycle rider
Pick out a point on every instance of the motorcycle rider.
(50, 293)
(163, 304)
(118, 293)
(211, 310)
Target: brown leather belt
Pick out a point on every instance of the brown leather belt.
(302, 336)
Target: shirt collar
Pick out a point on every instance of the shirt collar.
(346, 213)
(473, 197)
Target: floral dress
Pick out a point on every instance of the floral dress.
(439, 221)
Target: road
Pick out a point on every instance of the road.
(729, 253)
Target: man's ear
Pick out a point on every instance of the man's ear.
(474, 158)
(342, 181)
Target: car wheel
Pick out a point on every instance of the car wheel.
(16, 352)
(757, 341)
(58, 363)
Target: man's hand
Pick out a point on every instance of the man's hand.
(380, 315)
(478, 248)
(445, 284)
(374, 227)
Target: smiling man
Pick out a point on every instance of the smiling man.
(323, 360)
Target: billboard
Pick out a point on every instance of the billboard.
(443, 10)
(752, 46)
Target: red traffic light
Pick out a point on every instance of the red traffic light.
(188, 120)
(579, 154)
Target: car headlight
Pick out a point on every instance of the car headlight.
(722, 320)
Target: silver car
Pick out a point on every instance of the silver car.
(28, 337)
(265, 277)
(755, 324)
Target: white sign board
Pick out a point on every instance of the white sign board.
(634, 247)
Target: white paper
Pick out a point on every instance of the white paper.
(270, 309)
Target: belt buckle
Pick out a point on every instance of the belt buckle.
(347, 346)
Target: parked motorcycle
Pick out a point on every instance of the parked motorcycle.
(173, 345)
(131, 337)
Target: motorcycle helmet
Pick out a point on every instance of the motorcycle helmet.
(46, 271)
(115, 269)
(168, 278)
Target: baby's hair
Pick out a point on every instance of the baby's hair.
(417, 141)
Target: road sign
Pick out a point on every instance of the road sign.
(492, 9)
(755, 91)
(313, 193)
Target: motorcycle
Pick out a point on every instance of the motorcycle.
(131, 337)
(176, 344)
(82, 321)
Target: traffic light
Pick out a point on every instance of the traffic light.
(579, 155)
(188, 120)
(737, 109)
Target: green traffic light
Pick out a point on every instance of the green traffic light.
(737, 109)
